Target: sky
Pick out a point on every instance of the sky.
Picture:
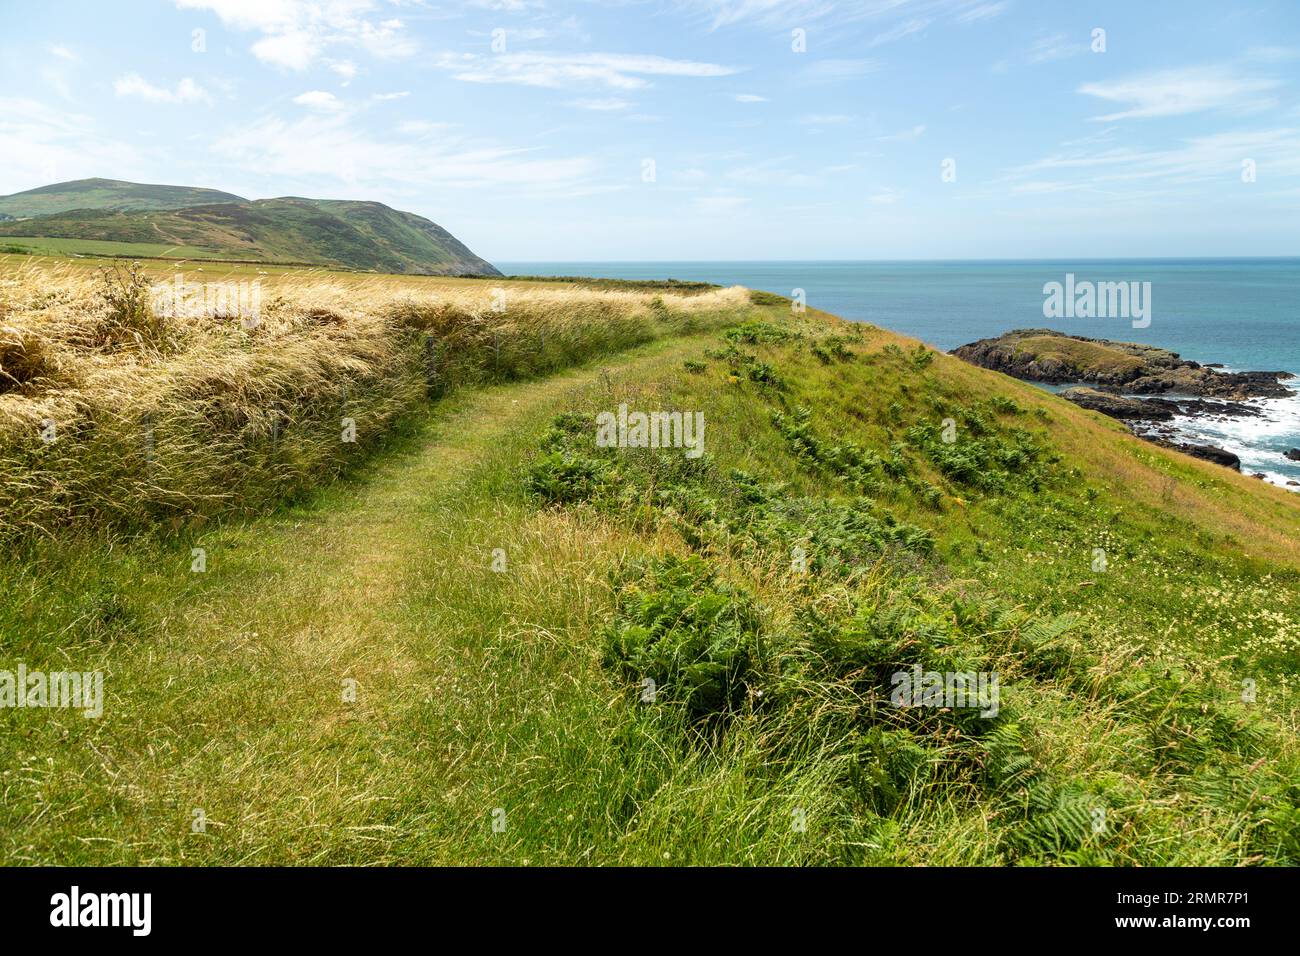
(692, 129)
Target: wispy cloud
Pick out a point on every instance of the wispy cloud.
(1058, 46)
(776, 14)
(346, 69)
(903, 136)
(1116, 170)
(62, 52)
(297, 32)
(186, 91)
(749, 98)
(904, 29)
(1178, 92)
(329, 149)
(983, 11)
(43, 145)
(616, 70)
(319, 100)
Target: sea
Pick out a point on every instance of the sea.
(1241, 313)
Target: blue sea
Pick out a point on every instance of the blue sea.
(1243, 313)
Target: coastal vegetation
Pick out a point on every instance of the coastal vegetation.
(476, 635)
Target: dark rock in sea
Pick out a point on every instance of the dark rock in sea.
(1293, 484)
(1117, 406)
(1197, 406)
(1220, 456)
(1294, 454)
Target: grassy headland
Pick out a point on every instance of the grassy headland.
(449, 624)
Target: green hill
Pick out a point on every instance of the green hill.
(106, 194)
(343, 233)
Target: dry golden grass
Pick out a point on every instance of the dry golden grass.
(126, 400)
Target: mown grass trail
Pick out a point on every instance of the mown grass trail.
(225, 690)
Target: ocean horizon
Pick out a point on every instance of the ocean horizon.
(1243, 313)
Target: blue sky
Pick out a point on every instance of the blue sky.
(692, 129)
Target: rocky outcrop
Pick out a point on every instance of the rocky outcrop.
(1045, 355)
(1220, 456)
(1122, 374)
(1118, 406)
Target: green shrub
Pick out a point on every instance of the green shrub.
(692, 635)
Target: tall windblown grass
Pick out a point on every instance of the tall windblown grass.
(119, 408)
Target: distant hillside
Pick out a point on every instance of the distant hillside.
(351, 234)
(106, 194)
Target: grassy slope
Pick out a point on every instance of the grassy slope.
(480, 690)
(350, 234)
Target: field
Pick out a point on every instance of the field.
(96, 247)
(474, 635)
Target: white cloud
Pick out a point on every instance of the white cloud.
(884, 196)
(786, 14)
(297, 32)
(295, 50)
(750, 98)
(1116, 170)
(1058, 46)
(903, 136)
(62, 52)
(984, 11)
(1178, 92)
(904, 29)
(769, 13)
(186, 91)
(323, 151)
(508, 6)
(43, 145)
(346, 69)
(385, 97)
(606, 105)
(616, 70)
(319, 100)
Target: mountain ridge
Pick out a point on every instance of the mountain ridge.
(356, 234)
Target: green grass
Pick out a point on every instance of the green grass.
(37, 245)
(519, 691)
(336, 233)
(1091, 358)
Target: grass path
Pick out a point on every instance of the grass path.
(228, 694)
